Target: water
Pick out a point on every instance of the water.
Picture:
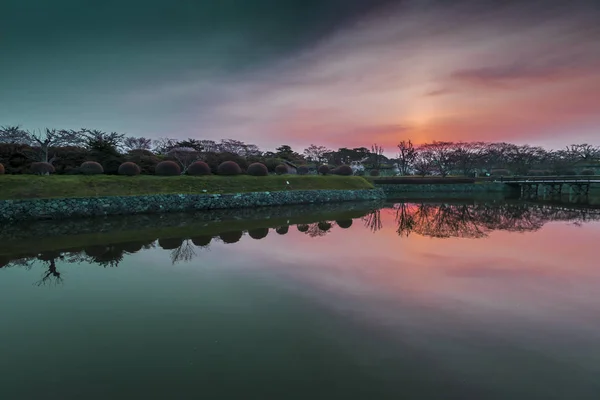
(436, 300)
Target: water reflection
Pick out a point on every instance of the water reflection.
(474, 220)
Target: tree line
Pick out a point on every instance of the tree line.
(67, 149)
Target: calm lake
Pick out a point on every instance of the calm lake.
(435, 299)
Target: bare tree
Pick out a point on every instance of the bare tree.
(316, 153)
(407, 154)
(467, 156)
(423, 165)
(376, 156)
(185, 156)
(41, 141)
(185, 252)
(137, 143)
(439, 155)
(583, 152)
(164, 145)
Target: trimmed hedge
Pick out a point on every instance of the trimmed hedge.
(42, 168)
(344, 224)
(129, 169)
(302, 170)
(229, 168)
(588, 172)
(421, 181)
(257, 169)
(231, 237)
(168, 168)
(499, 172)
(323, 170)
(91, 168)
(198, 168)
(302, 228)
(1, 169)
(170, 243)
(258, 233)
(374, 172)
(324, 226)
(281, 169)
(344, 170)
(282, 230)
(202, 241)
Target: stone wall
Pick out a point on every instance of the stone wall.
(445, 188)
(37, 209)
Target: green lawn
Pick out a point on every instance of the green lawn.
(33, 186)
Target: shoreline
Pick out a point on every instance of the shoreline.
(13, 211)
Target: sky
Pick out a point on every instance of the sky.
(339, 73)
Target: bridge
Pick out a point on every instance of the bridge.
(552, 185)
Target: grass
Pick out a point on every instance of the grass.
(14, 187)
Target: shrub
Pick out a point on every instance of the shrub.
(282, 230)
(281, 169)
(569, 172)
(231, 237)
(131, 247)
(198, 168)
(129, 169)
(202, 241)
(168, 168)
(91, 168)
(42, 168)
(258, 233)
(257, 169)
(302, 170)
(324, 226)
(302, 228)
(584, 172)
(229, 168)
(215, 159)
(344, 224)
(344, 170)
(95, 251)
(170, 243)
(374, 172)
(323, 170)
(144, 159)
(1, 169)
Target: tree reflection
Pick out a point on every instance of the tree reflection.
(478, 220)
(372, 220)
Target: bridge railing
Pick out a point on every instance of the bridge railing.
(547, 179)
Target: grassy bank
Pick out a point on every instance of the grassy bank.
(63, 186)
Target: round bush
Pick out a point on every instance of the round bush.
(131, 247)
(229, 168)
(1, 169)
(170, 244)
(344, 224)
(202, 241)
(258, 233)
(323, 170)
(198, 168)
(282, 230)
(231, 237)
(302, 170)
(344, 170)
(257, 169)
(129, 169)
(587, 172)
(281, 169)
(91, 168)
(374, 172)
(168, 168)
(42, 168)
(324, 226)
(302, 228)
